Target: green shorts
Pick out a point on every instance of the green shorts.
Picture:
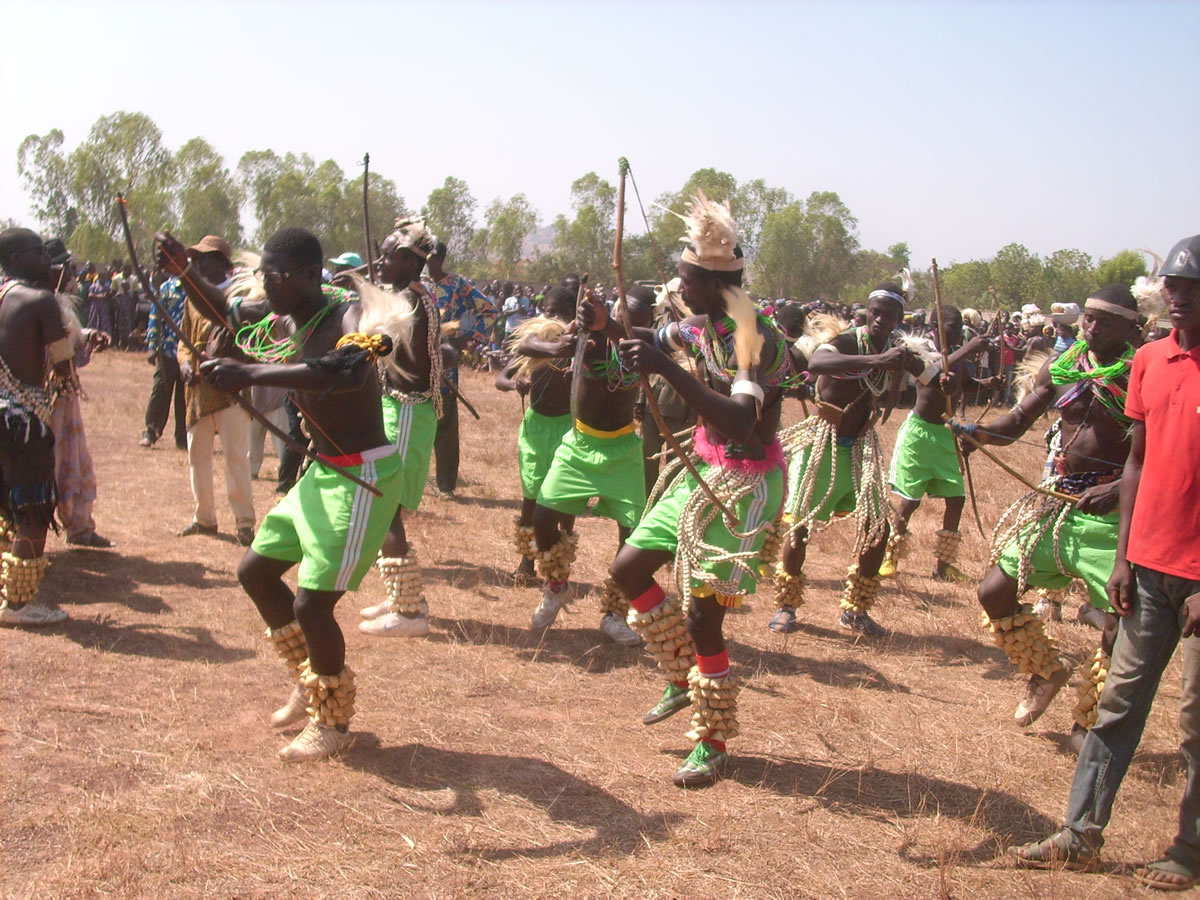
(537, 442)
(924, 461)
(841, 499)
(659, 530)
(608, 468)
(332, 526)
(1088, 547)
(411, 428)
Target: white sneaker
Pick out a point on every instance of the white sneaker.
(31, 614)
(316, 742)
(547, 610)
(1038, 694)
(292, 711)
(616, 630)
(382, 609)
(395, 625)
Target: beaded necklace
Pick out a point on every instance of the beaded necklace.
(716, 345)
(257, 340)
(613, 371)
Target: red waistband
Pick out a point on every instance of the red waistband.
(357, 459)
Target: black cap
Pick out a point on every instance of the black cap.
(58, 251)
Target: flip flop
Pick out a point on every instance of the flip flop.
(1058, 851)
(1166, 866)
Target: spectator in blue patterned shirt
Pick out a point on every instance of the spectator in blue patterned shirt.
(167, 383)
(458, 300)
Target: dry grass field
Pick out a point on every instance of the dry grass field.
(490, 761)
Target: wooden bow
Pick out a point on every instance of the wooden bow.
(367, 220)
(651, 401)
(964, 467)
(237, 398)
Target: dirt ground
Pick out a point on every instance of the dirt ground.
(491, 761)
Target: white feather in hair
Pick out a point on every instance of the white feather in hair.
(909, 287)
(819, 328)
(747, 342)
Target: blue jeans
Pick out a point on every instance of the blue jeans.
(1145, 641)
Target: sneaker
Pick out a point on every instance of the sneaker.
(887, 568)
(316, 742)
(197, 528)
(703, 766)
(31, 614)
(784, 621)
(147, 440)
(547, 610)
(1089, 615)
(951, 574)
(245, 536)
(674, 699)
(863, 624)
(616, 630)
(446, 495)
(382, 609)
(1039, 692)
(91, 539)
(292, 711)
(395, 625)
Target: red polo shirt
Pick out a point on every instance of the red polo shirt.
(1164, 393)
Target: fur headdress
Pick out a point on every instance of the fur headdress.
(413, 234)
(385, 312)
(1150, 293)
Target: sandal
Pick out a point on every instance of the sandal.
(1059, 851)
(784, 621)
(1183, 877)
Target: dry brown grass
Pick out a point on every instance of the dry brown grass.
(138, 761)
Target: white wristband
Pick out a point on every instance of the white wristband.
(744, 386)
(932, 371)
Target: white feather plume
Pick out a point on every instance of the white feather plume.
(385, 312)
(910, 288)
(922, 348)
(819, 328)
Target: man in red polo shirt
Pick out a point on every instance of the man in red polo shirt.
(1155, 588)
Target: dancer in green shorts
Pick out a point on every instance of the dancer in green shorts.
(328, 525)
(1043, 541)
(540, 372)
(743, 362)
(924, 459)
(412, 405)
(835, 463)
(599, 458)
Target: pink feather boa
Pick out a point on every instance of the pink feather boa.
(714, 455)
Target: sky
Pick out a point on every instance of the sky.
(955, 127)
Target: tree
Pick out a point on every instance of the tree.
(450, 213)
(1124, 268)
(667, 227)
(1068, 277)
(1016, 275)
(966, 285)
(808, 248)
(899, 254)
(750, 204)
(384, 206)
(210, 199)
(508, 225)
(44, 174)
(585, 243)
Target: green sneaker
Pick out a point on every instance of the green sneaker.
(674, 699)
(703, 766)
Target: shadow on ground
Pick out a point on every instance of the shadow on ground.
(616, 827)
(98, 576)
(584, 648)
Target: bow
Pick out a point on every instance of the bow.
(651, 400)
(237, 398)
(964, 467)
(367, 219)
(1049, 492)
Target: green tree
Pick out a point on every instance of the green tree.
(750, 204)
(509, 224)
(667, 227)
(1017, 275)
(45, 177)
(1124, 268)
(384, 206)
(210, 199)
(966, 285)
(585, 243)
(899, 254)
(450, 212)
(808, 249)
(1068, 277)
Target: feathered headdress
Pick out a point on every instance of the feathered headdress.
(545, 328)
(910, 288)
(413, 234)
(1150, 293)
(711, 235)
(819, 328)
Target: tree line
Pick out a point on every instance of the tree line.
(798, 247)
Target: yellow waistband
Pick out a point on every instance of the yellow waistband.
(597, 433)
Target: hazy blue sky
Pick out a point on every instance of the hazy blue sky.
(957, 127)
